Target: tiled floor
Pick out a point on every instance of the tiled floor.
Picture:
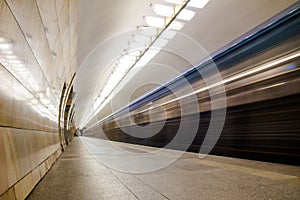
(84, 172)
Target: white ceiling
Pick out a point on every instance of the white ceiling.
(105, 27)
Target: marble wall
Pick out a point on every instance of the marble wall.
(38, 46)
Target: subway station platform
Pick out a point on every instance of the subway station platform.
(79, 174)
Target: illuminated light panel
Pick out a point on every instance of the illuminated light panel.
(12, 57)
(5, 40)
(176, 25)
(5, 46)
(149, 31)
(7, 52)
(197, 3)
(146, 57)
(133, 52)
(186, 15)
(155, 21)
(168, 34)
(18, 65)
(45, 101)
(17, 61)
(142, 39)
(126, 60)
(2, 39)
(180, 2)
(160, 43)
(53, 109)
(137, 46)
(162, 10)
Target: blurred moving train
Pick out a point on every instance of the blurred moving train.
(261, 75)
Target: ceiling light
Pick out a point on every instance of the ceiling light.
(176, 1)
(137, 46)
(34, 102)
(45, 101)
(155, 21)
(176, 25)
(160, 43)
(186, 15)
(197, 3)
(18, 65)
(17, 61)
(133, 52)
(5, 40)
(142, 39)
(168, 34)
(11, 57)
(146, 57)
(163, 10)
(149, 31)
(7, 52)
(5, 46)
(126, 60)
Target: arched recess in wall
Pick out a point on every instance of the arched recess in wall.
(66, 123)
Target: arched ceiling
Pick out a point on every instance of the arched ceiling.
(106, 26)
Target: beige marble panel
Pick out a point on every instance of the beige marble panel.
(24, 186)
(6, 98)
(63, 17)
(58, 153)
(11, 157)
(34, 120)
(73, 10)
(3, 165)
(21, 142)
(25, 150)
(48, 7)
(61, 69)
(43, 169)
(28, 17)
(66, 47)
(36, 175)
(20, 120)
(8, 195)
(74, 62)
(34, 138)
(59, 6)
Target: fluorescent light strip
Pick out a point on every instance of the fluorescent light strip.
(168, 34)
(176, 25)
(198, 3)
(186, 15)
(146, 57)
(7, 52)
(5, 46)
(160, 43)
(148, 31)
(180, 2)
(156, 22)
(162, 10)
